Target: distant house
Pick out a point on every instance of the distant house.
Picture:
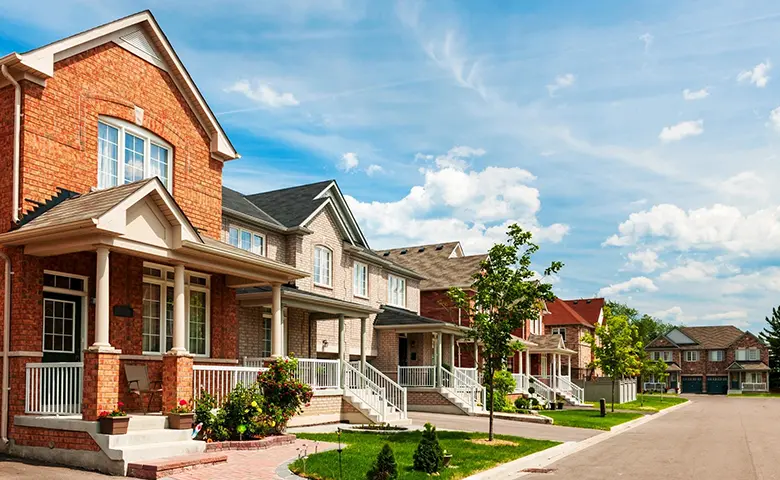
(716, 360)
(565, 318)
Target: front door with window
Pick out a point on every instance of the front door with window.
(61, 328)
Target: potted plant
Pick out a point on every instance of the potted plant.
(114, 422)
(446, 458)
(181, 416)
(559, 401)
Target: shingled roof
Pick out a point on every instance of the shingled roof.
(442, 264)
(562, 314)
(291, 206)
(721, 336)
(237, 202)
(588, 308)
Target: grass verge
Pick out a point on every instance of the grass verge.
(362, 448)
(589, 418)
(755, 394)
(652, 402)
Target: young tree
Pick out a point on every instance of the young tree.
(771, 336)
(504, 294)
(617, 351)
(650, 368)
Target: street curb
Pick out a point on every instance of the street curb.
(514, 469)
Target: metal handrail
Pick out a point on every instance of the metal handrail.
(357, 384)
(396, 394)
(565, 385)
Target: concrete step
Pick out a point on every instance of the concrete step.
(164, 468)
(147, 422)
(150, 451)
(145, 437)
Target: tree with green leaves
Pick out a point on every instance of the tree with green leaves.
(648, 327)
(385, 467)
(771, 336)
(651, 368)
(616, 349)
(504, 294)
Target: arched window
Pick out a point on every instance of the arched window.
(323, 260)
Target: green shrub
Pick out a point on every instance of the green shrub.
(522, 403)
(427, 457)
(283, 395)
(385, 467)
(238, 416)
(503, 384)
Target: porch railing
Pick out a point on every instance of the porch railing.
(754, 387)
(219, 380)
(654, 387)
(368, 392)
(396, 394)
(53, 388)
(424, 376)
(566, 387)
(521, 382)
(318, 373)
(541, 390)
(469, 372)
(464, 387)
(254, 362)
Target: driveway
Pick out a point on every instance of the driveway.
(716, 437)
(503, 427)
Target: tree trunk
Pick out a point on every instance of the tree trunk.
(492, 397)
(613, 394)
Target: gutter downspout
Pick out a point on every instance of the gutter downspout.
(17, 129)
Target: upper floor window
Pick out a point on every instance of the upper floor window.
(396, 291)
(323, 272)
(692, 356)
(559, 331)
(247, 240)
(748, 354)
(360, 279)
(717, 355)
(666, 356)
(128, 153)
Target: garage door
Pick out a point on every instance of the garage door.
(691, 384)
(718, 385)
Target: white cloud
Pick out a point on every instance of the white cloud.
(644, 260)
(767, 279)
(682, 130)
(647, 39)
(774, 118)
(731, 315)
(696, 94)
(636, 284)
(348, 161)
(374, 169)
(673, 314)
(745, 184)
(697, 271)
(758, 75)
(561, 81)
(719, 227)
(457, 157)
(263, 93)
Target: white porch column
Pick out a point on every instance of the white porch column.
(452, 351)
(102, 302)
(528, 362)
(342, 348)
(560, 362)
(553, 378)
(569, 368)
(363, 342)
(179, 345)
(520, 362)
(277, 343)
(476, 355)
(438, 358)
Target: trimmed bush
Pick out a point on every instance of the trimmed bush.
(503, 384)
(522, 403)
(385, 467)
(427, 457)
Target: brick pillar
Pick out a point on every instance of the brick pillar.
(100, 384)
(176, 380)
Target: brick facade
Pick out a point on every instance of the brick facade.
(575, 340)
(100, 384)
(176, 380)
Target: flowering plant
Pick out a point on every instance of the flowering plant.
(117, 412)
(283, 395)
(182, 407)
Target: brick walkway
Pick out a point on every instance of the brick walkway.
(252, 465)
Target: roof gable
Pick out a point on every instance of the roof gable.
(719, 337)
(679, 338)
(140, 34)
(560, 313)
(591, 309)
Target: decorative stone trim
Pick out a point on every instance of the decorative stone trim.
(25, 354)
(261, 444)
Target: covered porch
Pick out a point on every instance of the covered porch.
(546, 371)
(748, 377)
(670, 383)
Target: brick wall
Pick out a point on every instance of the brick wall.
(425, 398)
(42, 437)
(250, 332)
(437, 304)
(59, 131)
(299, 338)
(575, 335)
(6, 154)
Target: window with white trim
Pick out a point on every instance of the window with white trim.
(666, 356)
(266, 336)
(247, 240)
(396, 291)
(158, 310)
(360, 279)
(754, 377)
(691, 355)
(748, 355)
(559, 331)
(128, 153)
(717, 355)
(323, 258)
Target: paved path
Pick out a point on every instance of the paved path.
(504, 427)
(716, 437)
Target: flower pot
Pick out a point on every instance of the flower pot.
(445, 460)
(114, 425)
(560, 405)
(180, 421)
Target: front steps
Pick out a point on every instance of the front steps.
(393, 417)
(458, 402)
(164, 468)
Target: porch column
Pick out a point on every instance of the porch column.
(342, 348)
(569, 368)
(363, 342)
(179, 345)
(277, 344)
(527, 362)
(476, 355)
(553, 378)
(452, 351)
(438, 358)
(101, 302)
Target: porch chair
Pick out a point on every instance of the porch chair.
(139, 384)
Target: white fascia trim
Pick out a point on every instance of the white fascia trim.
(345, 207)
(326, 203)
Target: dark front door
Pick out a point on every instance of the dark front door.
(403, 351)
(61, 328)
(691, 385)
(718, 385)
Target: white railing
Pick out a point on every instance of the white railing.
(424, 376)
(654, 387)
(317, 373)
(53, 388)
(368, 392)
(469, 372)
(754, 387)
(541, 390)
(396, 394)
(464, 387)
(565, 386)
(257, 362)
(218, 380)
(521, 382)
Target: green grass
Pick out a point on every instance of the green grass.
(362, 449)
(652, 402)
(755, 394)
(589, 418)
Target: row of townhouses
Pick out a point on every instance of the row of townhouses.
(130, 269)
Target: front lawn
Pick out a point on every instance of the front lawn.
(589, 418)
(362, 448)
(652, 402)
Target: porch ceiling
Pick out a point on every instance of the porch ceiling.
(322, 307)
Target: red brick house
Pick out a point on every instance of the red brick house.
(716, 360)
(563, 320)
(111, 174)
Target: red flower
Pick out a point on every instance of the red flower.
(103, 414)
(182, 402)
(120, 404)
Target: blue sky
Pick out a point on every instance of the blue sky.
(638, 140)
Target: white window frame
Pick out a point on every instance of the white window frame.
(78, 293)
(317, 266)
(266, 347)
(149, 138)
(396, 288)
(559, 331)
(664, 355)
(360, 288)
(714, 354)
(164, 282)
(253, 233)
(692, 356)
(754, 377)
(72, 333)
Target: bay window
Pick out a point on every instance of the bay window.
(128, 153)
(323, 258)
(360, 280)
(158, 310)
(396, 291)
(247, 240)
